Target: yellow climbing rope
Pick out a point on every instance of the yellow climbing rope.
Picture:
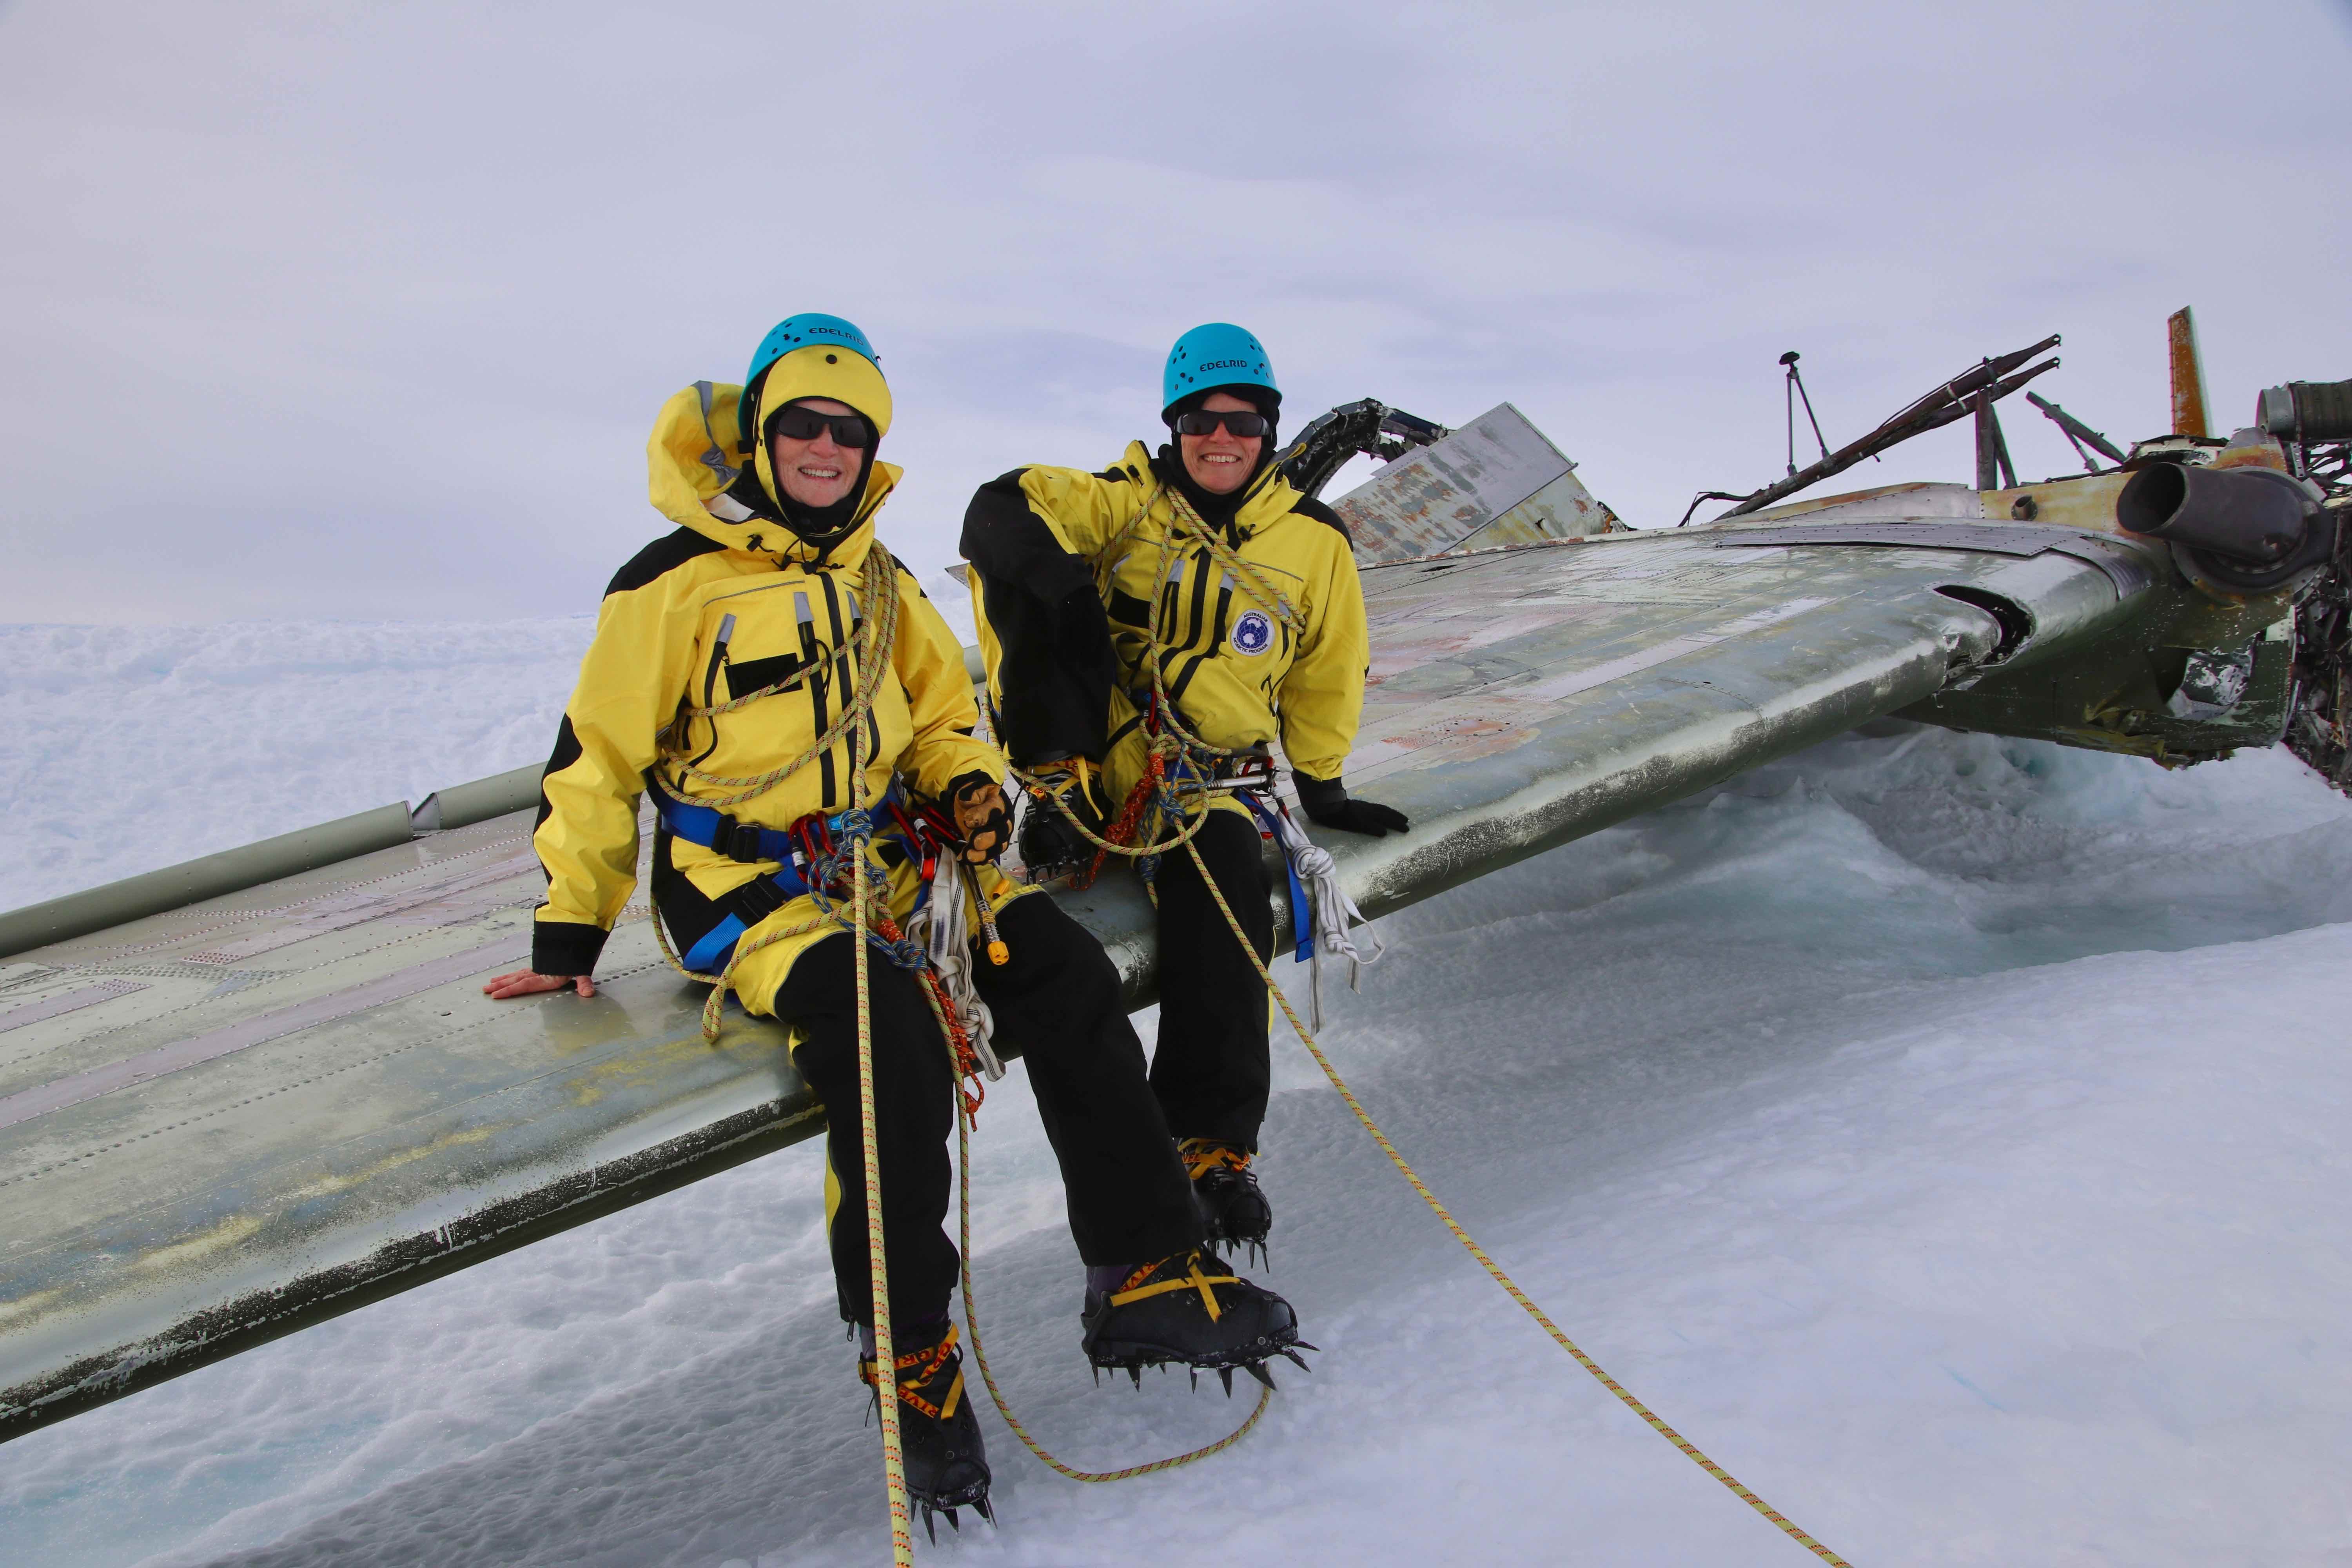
(868, 657)
(886, 1354)
(980, 1355)
(1509, 1285)
(1175, 738)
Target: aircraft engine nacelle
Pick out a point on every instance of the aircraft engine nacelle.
(2236, 531)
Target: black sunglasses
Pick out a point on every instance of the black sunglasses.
(1240, 422)
(805, 424)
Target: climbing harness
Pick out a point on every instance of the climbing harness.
(1173, 745)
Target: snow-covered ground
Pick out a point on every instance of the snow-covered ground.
(1945, 1133)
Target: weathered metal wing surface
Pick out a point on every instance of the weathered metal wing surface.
(219, 1124)
(1496, 481)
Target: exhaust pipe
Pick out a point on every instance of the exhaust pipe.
(2247, 529)
(2306, 411)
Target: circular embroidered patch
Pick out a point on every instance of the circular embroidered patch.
(1252, 633)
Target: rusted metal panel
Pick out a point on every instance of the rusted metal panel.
(1496, 480)
(2188, 375)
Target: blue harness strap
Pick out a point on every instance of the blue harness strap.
(709, 956)
(744, 841)
(1302, 913)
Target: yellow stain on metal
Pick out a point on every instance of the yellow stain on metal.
(228, 1233)
(326, 1186)
(647, 1065)
(26, 1306)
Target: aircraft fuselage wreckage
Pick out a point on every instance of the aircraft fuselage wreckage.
(245, 1094)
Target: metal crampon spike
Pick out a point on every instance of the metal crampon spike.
(1196, 1378)
(1256, 1369)
(929, 1528)
(1298, 1360)
(981, 1506)
(1303, 1345)
(1225, 1376)
(953, 1523)
(1135, 1373)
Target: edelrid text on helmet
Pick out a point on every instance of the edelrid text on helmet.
(1214, 355)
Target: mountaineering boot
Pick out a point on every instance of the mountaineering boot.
(937, 1435)
(1050, 847)
(1188, 1308)
(1233, 1209)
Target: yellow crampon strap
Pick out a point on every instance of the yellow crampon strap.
(1194, 1280)
(917, 1367)
(1203, 1156)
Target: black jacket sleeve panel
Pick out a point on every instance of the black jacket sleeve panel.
(563, 948)
(665, 554)
(1056, 671)
(1012, 544)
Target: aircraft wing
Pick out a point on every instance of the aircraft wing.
(222, 1122)
(245, 1094)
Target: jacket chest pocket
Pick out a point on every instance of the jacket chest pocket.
(790, 637)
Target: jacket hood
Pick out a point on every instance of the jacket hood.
(698, 480)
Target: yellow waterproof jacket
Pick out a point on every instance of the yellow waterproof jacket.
(1048, 544)
(727, 603)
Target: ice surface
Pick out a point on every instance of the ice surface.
(130, 748)
(1945, 1133)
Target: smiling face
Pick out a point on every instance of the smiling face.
(819, 472)
(1221, 461)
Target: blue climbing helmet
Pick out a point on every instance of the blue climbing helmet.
(815, 330)
(1215, 354)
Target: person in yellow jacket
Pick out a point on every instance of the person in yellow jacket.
(1245, 600)
(730, 661)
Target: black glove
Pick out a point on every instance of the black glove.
(1327, 802)
(983, 815)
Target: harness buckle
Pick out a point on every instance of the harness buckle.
(738, 841)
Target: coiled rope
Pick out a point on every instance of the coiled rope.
(1185, 741)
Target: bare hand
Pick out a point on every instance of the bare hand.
(529, 982)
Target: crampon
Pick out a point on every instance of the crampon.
(1190, 1309)
(1050, 847)
(1233, 1209)
(946, 1466)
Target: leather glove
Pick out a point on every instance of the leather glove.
(1327, 802)
(982, 814)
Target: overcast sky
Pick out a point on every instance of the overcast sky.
(365, 309)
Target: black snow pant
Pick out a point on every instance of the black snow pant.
(1211, 1070)
(1058, 1004)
